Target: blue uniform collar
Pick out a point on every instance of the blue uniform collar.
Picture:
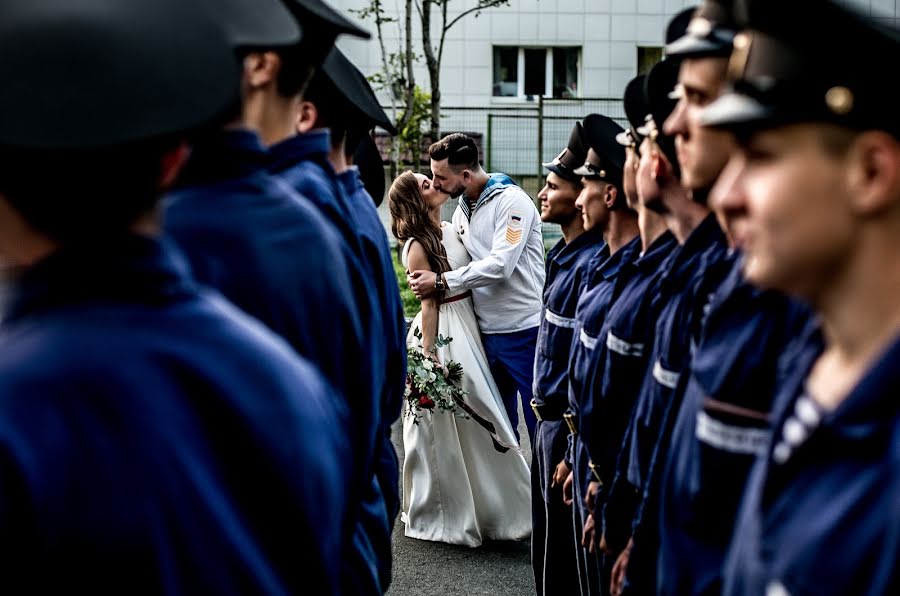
(223, 155)
(870, 411)
(350, 181)
(704, 236)
(566, 255)
(126, 268)
(657, 251)
(610, 267)
(496, 182)
(314, 144)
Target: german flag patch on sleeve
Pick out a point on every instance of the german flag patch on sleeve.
(515, 221)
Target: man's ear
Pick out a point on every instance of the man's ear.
(609, 196)
(170, 165)
(657, 165)
(467, 175)
(261, 69)
(873, 172)
(307, 116)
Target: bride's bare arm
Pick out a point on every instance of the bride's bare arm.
(417, 259)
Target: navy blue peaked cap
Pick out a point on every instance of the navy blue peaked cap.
(636, 110)
(606, 157)
(102, 73)
(367, 158)
(572, 157)
(356, 90)
(257, 23)
(709, 33)
(785, 71)
(678, 26)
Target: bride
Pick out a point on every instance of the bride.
(457, 487)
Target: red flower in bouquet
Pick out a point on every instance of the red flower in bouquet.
(431, 385)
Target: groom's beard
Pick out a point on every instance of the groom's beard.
(457, 192)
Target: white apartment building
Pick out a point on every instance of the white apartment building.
(556, 48)
(571, 52)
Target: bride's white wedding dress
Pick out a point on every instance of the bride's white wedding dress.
(456, 487)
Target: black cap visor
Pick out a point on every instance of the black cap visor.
(733, 111)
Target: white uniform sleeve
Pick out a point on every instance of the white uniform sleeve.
(513, 221)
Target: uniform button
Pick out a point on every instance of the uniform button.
(806, 412)
(794, 432)
(781, 453)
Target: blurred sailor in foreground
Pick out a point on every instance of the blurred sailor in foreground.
(154, 438)
(813, 197)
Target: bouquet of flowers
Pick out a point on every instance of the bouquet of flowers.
(430, 384)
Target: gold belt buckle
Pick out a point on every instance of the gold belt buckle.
(569, 417)
(534, 407)
(595, 472)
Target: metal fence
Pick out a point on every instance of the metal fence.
(515, 140)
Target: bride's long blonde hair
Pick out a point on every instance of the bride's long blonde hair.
(410, 219)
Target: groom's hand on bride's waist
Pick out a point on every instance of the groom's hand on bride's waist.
(421, 282)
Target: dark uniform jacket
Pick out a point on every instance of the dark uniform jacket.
(619, 364)
(593, 304)
(821, 511)
(377, 255)
(154, 439)
(302, 162)
(566, 268)
(721, 429)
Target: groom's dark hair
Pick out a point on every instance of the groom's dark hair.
(458, 149)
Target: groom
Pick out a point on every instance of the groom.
(499, 226)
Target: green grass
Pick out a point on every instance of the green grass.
(410, 302)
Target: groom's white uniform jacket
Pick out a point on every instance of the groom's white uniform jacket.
(506, 275)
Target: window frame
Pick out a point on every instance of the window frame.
(520, 96)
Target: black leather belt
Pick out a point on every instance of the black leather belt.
(548, 412)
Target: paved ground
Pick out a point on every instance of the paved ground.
(437, 569)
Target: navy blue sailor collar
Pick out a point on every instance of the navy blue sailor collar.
(656, 253)
(287, 153)
(350, 181)
(496, 182)
(570, 253)
(223, 155)
(683, 266)
(126, 268)
(614, 263)
(871, 409)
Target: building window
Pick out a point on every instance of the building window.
(647, 56)
(531, 72)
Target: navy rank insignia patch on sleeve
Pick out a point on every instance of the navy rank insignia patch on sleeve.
(514, 224)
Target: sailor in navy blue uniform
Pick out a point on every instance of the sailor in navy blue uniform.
(251, 236)
(553, 552)
(723, 424)
(603, 207)
(347, 104)
(241, 229)
(302, 161)
(679, 304)
(154, 439)
(813, 195)
(620, 355)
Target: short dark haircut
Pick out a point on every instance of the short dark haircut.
(458, 149)
(333, 109)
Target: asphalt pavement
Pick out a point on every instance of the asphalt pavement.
(437, 569)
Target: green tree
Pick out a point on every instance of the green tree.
(397, 74)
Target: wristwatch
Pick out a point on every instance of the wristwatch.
(439, 285)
